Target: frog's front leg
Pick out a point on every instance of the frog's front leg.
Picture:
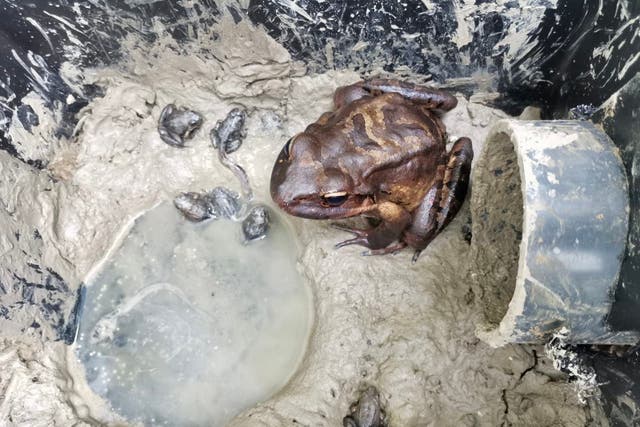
(393, 220)
(444, 198)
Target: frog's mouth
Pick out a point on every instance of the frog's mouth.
(319, 207)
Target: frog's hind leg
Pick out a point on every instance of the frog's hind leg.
(444, 198)
(426, 96)
(456, 180)
(347, 94)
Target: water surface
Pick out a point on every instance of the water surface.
(186, 325)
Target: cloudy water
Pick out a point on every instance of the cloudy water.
(186, 325)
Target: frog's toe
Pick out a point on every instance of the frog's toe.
(342, 227)
(362, 236)
(359, 240)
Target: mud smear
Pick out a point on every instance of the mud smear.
(408, 329)
(497, 234)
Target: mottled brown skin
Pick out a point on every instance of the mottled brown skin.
(382, 154)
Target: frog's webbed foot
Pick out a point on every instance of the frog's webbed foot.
(360, 239)
(363, 237)
(393, 220)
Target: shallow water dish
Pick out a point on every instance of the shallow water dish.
(550, 217)
(186, 325)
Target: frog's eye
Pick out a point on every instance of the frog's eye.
(335, 199)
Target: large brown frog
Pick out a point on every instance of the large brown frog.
(382, 154)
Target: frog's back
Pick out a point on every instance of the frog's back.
(388, 123)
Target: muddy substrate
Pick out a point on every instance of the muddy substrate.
(500, 232)
(409, 329)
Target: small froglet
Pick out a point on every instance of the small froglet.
(367, 412)
(177, 125)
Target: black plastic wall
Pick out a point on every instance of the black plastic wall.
(580, 52)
